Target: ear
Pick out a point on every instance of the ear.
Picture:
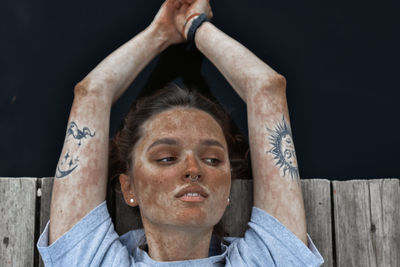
(127, 190)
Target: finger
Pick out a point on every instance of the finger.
(184, 7)
(177, 4)
(169, 3)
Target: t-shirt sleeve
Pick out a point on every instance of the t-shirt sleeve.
(91, 242)
(269, 243)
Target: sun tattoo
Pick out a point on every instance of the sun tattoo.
(283, 150)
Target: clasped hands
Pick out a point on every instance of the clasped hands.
(171, 22)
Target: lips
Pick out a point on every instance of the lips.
(192, 191)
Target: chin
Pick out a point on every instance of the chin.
(197, 218)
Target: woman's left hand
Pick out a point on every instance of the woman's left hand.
(164, 21)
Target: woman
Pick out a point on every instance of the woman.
(177, 168)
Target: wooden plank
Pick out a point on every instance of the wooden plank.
(367, 216)
(17, 231)
(238, 212)
(46, 187)
(317, 204)
(45, 199)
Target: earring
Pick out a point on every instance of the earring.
(229, 200)
(132, 200)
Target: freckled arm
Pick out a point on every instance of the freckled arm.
(276, 178)
(81, 174)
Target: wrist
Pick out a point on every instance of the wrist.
(159, 37)
(200, 32)
(188, 24)
(195, 24)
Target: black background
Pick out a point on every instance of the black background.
(341, 60)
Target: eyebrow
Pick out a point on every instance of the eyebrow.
(211, 142)
(164, 141)
(174, 142)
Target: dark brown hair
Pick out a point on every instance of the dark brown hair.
(122, 144)
(171, 96)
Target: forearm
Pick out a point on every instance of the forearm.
(81, 175)
(243, 70)
(116, 72)
(277, 187)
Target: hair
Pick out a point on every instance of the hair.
(171, 96)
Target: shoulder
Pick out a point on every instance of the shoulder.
(90, 241)
(268, 242)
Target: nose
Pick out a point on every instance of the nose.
(193, 169)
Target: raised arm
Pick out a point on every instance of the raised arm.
(276, 178)
(81, 175)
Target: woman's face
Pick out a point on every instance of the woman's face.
(174, 144)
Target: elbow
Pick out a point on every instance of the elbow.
(81, 89)
(274, 83)
(86, 88)
(272, 86)
(281, 81)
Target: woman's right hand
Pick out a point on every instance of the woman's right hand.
(170, 20)
(164, 21)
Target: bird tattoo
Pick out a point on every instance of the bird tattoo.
(78, 134)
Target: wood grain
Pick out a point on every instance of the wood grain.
(317, 204)
(238, 213)
(17, 231)
(46, 187)
(367, 216)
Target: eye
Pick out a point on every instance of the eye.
(212, 161)
(288, 153)
(166, 160)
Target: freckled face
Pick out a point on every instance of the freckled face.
(192, 142)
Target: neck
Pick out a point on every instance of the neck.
(172, 243)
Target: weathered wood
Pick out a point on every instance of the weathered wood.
(317, 204)
(45, 198)
(238, 212)
(367, 216)
(17, 231)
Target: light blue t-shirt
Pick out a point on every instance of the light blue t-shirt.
(94, 242)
